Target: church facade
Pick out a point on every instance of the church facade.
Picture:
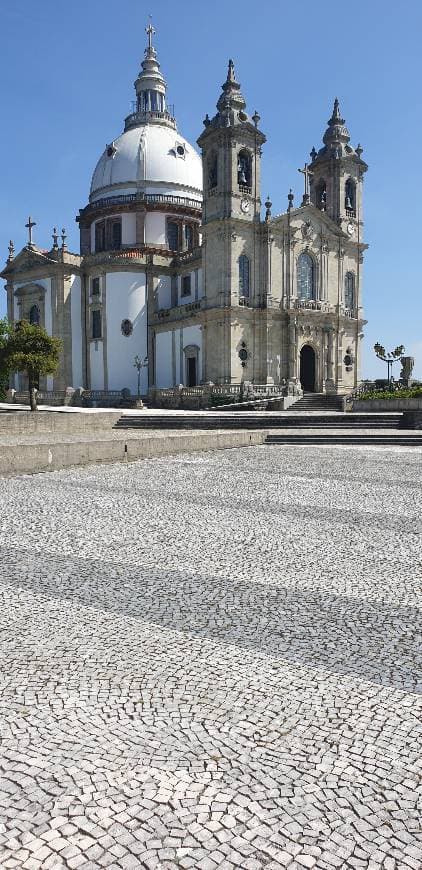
(178, 269)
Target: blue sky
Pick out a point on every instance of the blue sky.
(67, 72)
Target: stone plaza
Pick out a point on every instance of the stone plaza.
(213, 661)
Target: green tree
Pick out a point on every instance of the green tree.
(30, 349)
(4, 373)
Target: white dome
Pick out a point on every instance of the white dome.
(145, 156)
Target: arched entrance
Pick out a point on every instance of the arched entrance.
(307, 368)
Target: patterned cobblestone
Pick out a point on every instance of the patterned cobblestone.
(213, 661)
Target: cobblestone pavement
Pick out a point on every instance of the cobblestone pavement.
(213, 661)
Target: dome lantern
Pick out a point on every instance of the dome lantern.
(151, 88)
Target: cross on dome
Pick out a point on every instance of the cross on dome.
(150, 31)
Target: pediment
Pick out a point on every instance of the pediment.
(26, 261)
(308, 215)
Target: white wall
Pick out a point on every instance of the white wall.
(96, 363)
(164, 355)
(196, 291)
(164, 292)
(75, 318)
(163, 359)
(155, 228)
(125, 299)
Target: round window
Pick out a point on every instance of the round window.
(243, 354)
(127, 327)
(180, 150)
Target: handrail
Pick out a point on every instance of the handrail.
(153, 198)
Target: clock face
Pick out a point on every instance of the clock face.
(351, 229)
(245, 205)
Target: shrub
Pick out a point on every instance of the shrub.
(403, 393)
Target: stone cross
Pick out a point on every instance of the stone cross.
(306, 173)
(29, 226)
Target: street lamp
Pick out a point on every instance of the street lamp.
(139, 365)
(390, 358)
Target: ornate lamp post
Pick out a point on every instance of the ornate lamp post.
(390, 358)
(139, 365)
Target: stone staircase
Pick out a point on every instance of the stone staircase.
(318, 402)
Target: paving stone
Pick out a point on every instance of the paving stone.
(213, 660)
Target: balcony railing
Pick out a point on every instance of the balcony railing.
(350, 212)
(137, 118)
(149, 198)
(310, 305)
(244, 188)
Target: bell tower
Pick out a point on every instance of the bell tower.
(336, 175)
(231, 224)
(231, 155)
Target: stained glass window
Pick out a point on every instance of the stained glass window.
(173, 235)
(349, 290)
(243, 276)
(305, 277)
(96, 324)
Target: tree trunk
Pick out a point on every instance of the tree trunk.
(33, 398)
(32, 392)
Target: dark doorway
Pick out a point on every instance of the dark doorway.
(307, 369)
(191, 371)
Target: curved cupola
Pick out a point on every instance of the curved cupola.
(150, 157)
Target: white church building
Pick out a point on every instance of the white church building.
(178, 270)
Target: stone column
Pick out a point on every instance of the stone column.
(329, 383)
(292, 351)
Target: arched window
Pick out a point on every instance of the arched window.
(212, 171)
(350, 196)
(321, 195)
(244, 169)
(349, 290)
(34, 315)
(244, 270)
(305, 277)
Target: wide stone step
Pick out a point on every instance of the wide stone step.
(259, 420)
(347, 438)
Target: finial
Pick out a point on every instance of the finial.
(290, 197)
(359, 150)
(11, 251)
(230, 72)
(207, 121)
(55, 238)
(64, 239)
(336, 115)
(256, 118)
(268, 205)
(29, 227)
(313, 153)
(150, 30)
(336, 110)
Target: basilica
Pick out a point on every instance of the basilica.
(185, 272)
